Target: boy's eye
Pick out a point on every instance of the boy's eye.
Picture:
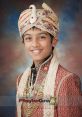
(42, 36)
(27, 38)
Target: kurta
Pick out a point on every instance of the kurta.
(67, 91)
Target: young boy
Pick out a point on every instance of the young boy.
(45, 89)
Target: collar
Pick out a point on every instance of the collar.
(33, 67)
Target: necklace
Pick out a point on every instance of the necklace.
(30, 87)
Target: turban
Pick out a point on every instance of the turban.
(44, 19)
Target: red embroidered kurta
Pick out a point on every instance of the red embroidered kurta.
(69, 94)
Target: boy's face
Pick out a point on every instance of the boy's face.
(38, 44)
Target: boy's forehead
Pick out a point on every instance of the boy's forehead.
(35, 31)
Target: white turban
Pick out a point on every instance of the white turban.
(44, 19)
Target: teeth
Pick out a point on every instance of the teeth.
(36, 51)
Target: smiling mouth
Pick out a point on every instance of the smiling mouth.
(36, 51)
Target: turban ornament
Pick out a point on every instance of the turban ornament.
(33, 14)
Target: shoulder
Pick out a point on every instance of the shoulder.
(18, 79)
(63, 72)
(68, 80)
(67, 77)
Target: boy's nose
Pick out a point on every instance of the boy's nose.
(35, 42)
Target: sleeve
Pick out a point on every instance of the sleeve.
(70, 97)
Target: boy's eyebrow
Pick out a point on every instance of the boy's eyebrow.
(43, 33)
(26, 35)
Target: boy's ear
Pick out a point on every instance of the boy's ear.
(54, 42)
